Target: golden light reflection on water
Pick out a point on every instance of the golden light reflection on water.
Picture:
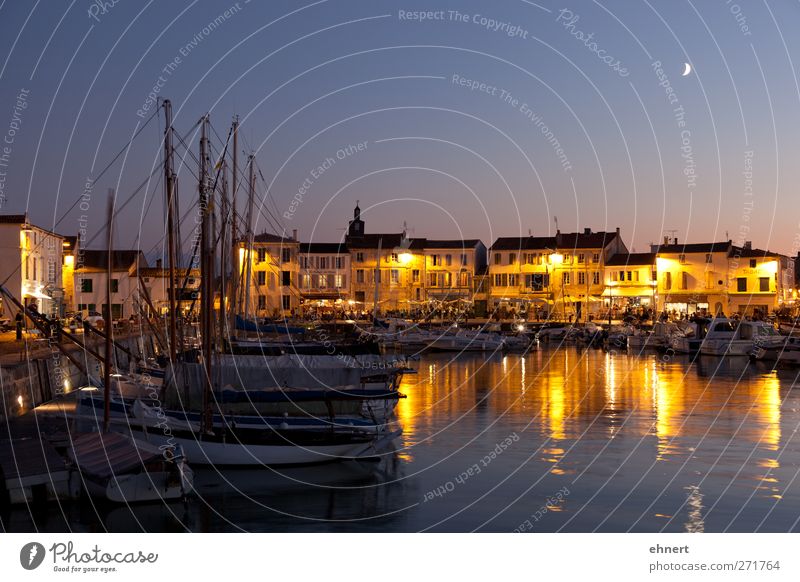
(561, 394)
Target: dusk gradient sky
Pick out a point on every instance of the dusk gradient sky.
(310, 79)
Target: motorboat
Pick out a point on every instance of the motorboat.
(728, 337)
(464, 340)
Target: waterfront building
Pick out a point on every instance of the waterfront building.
(631, 282)
(561, 274)
(693, 277)
(69, 255)
(721, 277)
(90, 279)
(760, 281)
(274, 275)
(30, 265)
(153, 283)
(391, 264)
(450, 267)
(324, 277)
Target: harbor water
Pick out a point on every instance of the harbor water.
(560, 439)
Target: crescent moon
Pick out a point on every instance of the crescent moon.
(687, 68)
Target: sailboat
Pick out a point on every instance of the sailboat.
(211, 437)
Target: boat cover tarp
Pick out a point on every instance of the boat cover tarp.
(252, 373)
(247, 325)
(102, 455)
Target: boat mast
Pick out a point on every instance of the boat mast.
(107, 315)
(169, 182)
(223, 245)
(249, 251)
(377, 283)
(234, 242)
(206, 276)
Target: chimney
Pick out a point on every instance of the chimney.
(587, 231)
(666, 240)
(675, 240)
(617, 231)
(158, 263)
(748, 245)
(294, 234)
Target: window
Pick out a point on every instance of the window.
(51, 270)
(261, 255)
(498, 259)
(272, 279)
(304, 261)
(595, 258)
(261, 277)
(596, 278)
(763, 284)
(709, 258)
(286, 300)
(629, 276)
(682, 259)
(537, 281)
(34, 268)
(286, 278)
(330, 282)
(621, 276)
(395, 276)
(436, 260)
(86, 285)
(668, 280)
(501, 280)
(340, 281)
(432, 279)
(684, 280)
(636, 276)
(305, 281)
(415, 276)
(567, 258)
(323, 262)
(565, 278)
(752, 263)
(359, 275)
(529, 258)
(581, 258)
(463, 260)
(654, 275)
(339, 262)
(512, 280)
(741, 284)
(115, 285)
(360, 257)
(286, 255)
(581, 278)
(448, 260)
(463, 280)
(395, 258)
(443, 279)
(262, 301)
(512, 258)
(376, 276)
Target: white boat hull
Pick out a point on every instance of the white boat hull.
(235, 454)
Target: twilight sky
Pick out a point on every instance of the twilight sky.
(484, 119)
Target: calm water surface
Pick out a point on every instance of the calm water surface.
(556, 440)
